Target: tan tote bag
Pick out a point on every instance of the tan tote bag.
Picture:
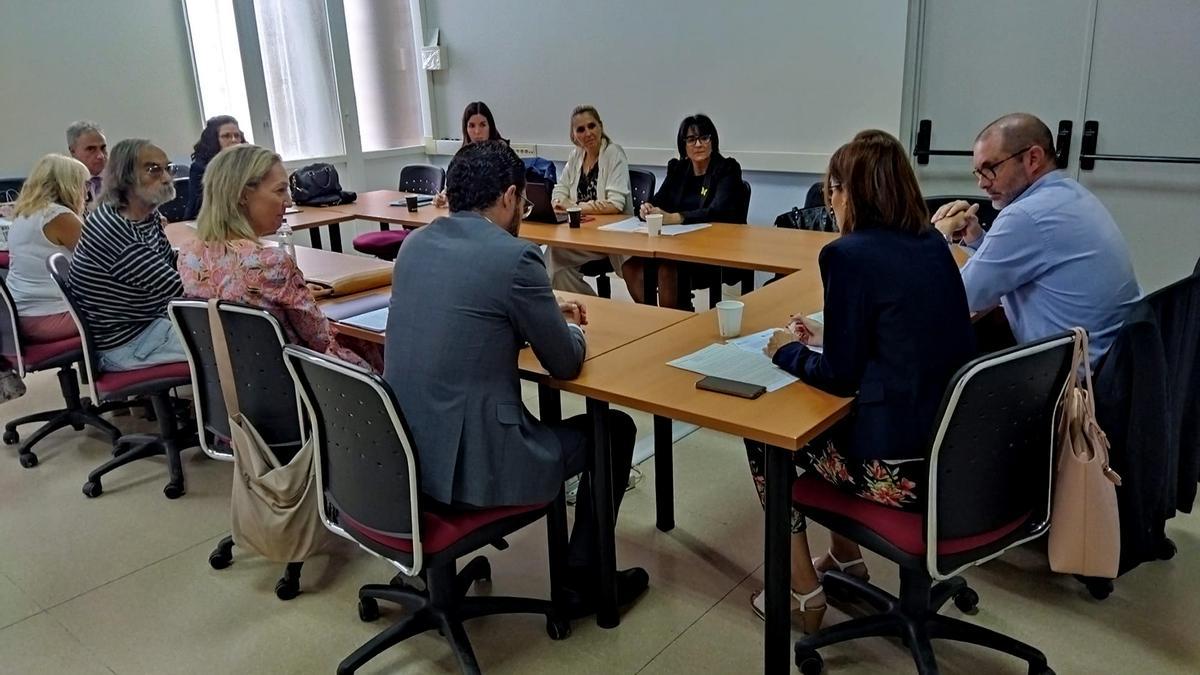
(274, 507)
(1085, 531)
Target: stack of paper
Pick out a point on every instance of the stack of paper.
(635, 225)
(375, 321)
(734, 363)
(757, 342)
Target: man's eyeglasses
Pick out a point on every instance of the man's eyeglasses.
(156, 170)
(988, 171)
(528, 210)
(702, 139)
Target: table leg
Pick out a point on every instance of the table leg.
(549, 404)
(314, 236)
(664, 473)
(602, 495)
(650, 282)
(778, 561)
(335, 237)
(384, 227)
(714, 290)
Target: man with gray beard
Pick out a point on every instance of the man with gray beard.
(123, 269)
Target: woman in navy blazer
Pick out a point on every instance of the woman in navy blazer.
(896, 328)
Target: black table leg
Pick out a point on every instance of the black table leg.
(664, 474)
(650, 282)
(335, 237)
(714, 290)
(549, 404)
(778, 562)
(314, 236)
(602, 495)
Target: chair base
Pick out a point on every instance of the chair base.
(169, 441)
(286, 588)
(79, 413)
(443, 606)
(914, 619)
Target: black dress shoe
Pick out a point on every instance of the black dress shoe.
(582, 591)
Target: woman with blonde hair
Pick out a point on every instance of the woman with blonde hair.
(245, 197)
(46, 220)
(596, 179)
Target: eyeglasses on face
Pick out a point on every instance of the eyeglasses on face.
(156, 170)
(701, 139)
(988, 171)
(528, 210)
(590, 126)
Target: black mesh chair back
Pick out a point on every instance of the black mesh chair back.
(422, 179)
(60, 270)
(10, 189)
(986, 214)
(368, 463)
(10, 335)
(190, 318)
(641, 187)
(993, 447)
(815, 195)
(745, 212)
(176, 209)
(266, 393)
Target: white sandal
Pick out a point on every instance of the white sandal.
(843, 566)
(810, 617)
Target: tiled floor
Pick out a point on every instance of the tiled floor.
(121, 584)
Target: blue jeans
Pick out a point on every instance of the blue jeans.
(155, 345)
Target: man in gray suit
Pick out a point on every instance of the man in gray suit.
(466, 295)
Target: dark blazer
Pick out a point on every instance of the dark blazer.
(724, 201)
(466, 296)
(896, 329)
(195, 189)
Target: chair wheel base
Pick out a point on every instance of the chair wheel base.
(219, 560)
(28, 460)
(287, 589)
(558, 630)
(368, 610)
(1167, 549)
(966, 600)
(92, 489)
(1040, 670)
(1100, 589)
(11, 437)
(809, 662)
(173, 491)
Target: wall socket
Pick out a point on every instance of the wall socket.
(524, 150)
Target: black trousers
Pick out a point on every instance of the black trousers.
(575, 435)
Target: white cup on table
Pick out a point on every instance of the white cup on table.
(654, 224)
(729, 317)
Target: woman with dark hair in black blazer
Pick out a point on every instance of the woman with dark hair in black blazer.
(896, 328)
(701, 186)
(220, 132)
(477, 125)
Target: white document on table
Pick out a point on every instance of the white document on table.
(639, 227)
(374, 320)
(757, 342)
(734, 363)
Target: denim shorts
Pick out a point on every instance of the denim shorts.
(155, 345)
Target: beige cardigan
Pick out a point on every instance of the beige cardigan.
(612, 184)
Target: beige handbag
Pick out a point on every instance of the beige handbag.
(1085, 531)
(274, 507)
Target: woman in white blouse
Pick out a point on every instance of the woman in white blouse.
(46, 220)
(596, 179)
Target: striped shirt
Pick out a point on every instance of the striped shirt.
(123, 274)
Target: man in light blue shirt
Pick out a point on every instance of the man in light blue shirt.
(1054, 258)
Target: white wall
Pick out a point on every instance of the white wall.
(122, 63)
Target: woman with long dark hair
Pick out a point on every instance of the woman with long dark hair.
(477, 125)
(220, 132)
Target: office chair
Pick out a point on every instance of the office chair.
(153, 382)
(369, 480)
(422, 179)
(694, 276)
(10, 189)
(176, 209)
(265, 392)
(990, 467)
(641, 190)
(23, 356)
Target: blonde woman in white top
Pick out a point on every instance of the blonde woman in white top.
(596, 179)
(46, 220)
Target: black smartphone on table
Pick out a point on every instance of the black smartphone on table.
(732, 387)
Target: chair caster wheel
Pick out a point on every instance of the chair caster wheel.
(92, 488)
(809, 662)
(558, 630)
(368, 609)
(173, 490)
(219, 560)
(29, 460)
(1166, 549)
(1100, 588)
(11, 437)
(485, 571)
(1040, 670)
(286, 589)
(966, 600)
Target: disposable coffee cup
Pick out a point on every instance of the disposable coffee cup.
(411, 202)
(654, 224)
(574, 216)
(729, 317)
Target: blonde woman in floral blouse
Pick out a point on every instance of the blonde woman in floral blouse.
(245, 196)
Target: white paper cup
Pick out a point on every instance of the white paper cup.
(729, 317)
(654, 224)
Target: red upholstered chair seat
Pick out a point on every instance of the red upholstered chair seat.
(441, 529)
(117, 381)
(903, 530)
(4, 259)
(384, 244)
(38, 354)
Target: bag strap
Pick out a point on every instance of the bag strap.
(221, 354)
